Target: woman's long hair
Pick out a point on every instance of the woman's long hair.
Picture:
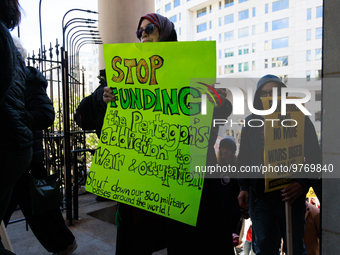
(10, 13)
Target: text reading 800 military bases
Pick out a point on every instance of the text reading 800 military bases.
(120, 135)
(139, 137)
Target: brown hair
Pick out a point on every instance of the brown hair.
(10, 13)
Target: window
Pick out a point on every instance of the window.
(210, 24)
(220, 38)
(280, 61)
(242, 32)
(309, 35)
(204, 39)
(220, 54)
(228, 36)
(280, 5)
(308, 55)
(219, 21)
(177, 3)
(210, 38)
(201, 12)
(265, 45)
(253, 47)
(318, 95)
(254, 11)
(266, 27)
(280, 43)
(159, 11)
(241, 1)
(229, 69)
(319, 11)
(243, 15)
(243, 67)
(253, 30)
(220, 70)
(219, 5)
(318, 116)
(173, 19)
(309, 14)
(229, 52)
(240, 50)
(253, 65)
(246, 49)
(228, 19)
(266, 63)
(318, 54)
(266, 8)
(318, 33)
(280, 24)
(317, 75)
(228, 3)
(307, 75)
(180, 16)
(210, 9)
(167, 7)
(180, 31)
(201, 27)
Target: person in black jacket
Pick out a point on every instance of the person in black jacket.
(16, 137)
(267, 210)
(48, 227)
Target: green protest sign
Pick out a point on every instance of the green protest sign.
(154, 134)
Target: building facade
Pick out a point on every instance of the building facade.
(255, 38)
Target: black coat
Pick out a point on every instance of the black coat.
(40, 109)
(14, 128)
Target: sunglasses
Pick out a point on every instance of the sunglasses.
(148, 30)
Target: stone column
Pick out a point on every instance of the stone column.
(330, 207)
(118, 21)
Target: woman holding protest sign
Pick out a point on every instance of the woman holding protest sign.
(142, 232)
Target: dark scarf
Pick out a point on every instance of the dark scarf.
(165, 27)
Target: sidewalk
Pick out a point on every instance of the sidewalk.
(94, 236)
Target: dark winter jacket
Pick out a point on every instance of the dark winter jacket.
(252, 147)
(14, 128)
(40, 109)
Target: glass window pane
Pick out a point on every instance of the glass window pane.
(307, 75)
(201, 27)
(177, 3)
(318, 54)
(243, 15)
(228, 36)
(229, 19)
(319, 11)
(240, 67)
(318, 33)
(308, 55)
(168, 7)
(173, 19)
(228, 3)
(309, 14)
(201, 12)
(309, 34)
